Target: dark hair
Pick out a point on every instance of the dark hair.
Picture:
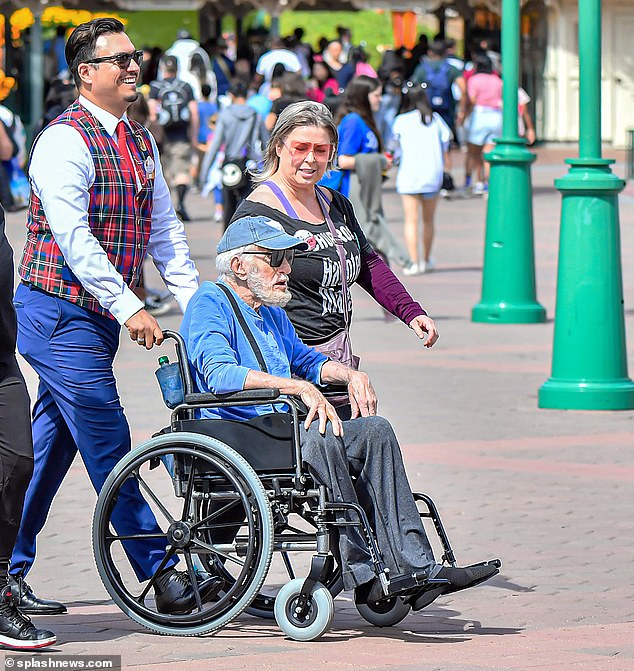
(357, 55)
(293, 85)
(355, 99)
(82, 42)
(198, 68)
(438, 48)
(329, 72)
(238, 89)
(205, 90)
(483, 64)
(278, 71)
(170, 63)
(414, 97)
(323, 42)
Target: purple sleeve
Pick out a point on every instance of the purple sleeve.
(386, 289)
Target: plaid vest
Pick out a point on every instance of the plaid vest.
(119, 216)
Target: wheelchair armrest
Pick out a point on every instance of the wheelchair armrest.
(249, 395)
(335, 390)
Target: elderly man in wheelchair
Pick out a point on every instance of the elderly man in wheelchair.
(346, 478)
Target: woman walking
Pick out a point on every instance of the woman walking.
(420, 141)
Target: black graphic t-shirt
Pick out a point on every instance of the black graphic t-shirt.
(316, 308)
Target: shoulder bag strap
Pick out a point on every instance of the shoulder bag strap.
(245, 327)
(324, 203)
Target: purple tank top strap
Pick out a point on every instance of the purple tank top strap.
(282, 198)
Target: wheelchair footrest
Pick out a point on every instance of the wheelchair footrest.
(402, 584)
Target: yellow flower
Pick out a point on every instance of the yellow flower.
(6, 84)
(23, 18)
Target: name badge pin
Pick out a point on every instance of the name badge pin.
(141, 142)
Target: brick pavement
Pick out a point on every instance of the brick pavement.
(550, 492)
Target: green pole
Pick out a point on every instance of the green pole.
(589, 365)
(508, 276)
(36, 60)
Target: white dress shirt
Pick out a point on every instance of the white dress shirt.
(61, 173)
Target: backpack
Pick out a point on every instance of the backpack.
(439, 87)
(174, 100)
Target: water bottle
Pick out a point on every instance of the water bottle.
(170, 381)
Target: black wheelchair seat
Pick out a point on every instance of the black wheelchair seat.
(266, 441)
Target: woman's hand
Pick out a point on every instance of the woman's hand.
(425, 329)
(318, 406)
(362, 396)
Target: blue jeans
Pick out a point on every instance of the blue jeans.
(77, 409)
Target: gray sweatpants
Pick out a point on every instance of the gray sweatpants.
(370, 452)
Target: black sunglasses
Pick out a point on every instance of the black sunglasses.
(277, 256)
(122, 60)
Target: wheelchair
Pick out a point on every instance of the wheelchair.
(227, 495)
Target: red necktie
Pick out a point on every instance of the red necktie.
(124, 151)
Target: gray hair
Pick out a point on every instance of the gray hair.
(304, 113)
(223, 260)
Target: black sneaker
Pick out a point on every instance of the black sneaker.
(16, 630)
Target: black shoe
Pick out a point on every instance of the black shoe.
(174, 594)
(459, 578)
(16, 630)
(28, 603)
(181, 213)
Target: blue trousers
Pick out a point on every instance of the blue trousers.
(77, 408)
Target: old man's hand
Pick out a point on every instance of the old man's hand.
(361, 393)
(319, 407)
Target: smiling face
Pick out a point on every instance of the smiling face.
(303, 157)
(106, 84)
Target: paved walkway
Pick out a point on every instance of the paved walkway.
(550, 492)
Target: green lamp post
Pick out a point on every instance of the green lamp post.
(508, 276)
(589, 365)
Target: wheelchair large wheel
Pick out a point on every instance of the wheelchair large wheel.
(315, 623)
(385, 613)
(172, 473)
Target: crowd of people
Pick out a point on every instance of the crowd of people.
(304, 225)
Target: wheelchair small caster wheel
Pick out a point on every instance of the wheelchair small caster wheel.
(385, 613)
(321, 610)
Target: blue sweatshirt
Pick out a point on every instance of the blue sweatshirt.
(220, 355)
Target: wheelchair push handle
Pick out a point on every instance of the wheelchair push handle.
(193, 397)
(181, 356)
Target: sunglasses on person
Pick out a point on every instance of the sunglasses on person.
(276, 257)
(321, 152)
(122, 60)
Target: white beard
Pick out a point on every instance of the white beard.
(266, 294)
